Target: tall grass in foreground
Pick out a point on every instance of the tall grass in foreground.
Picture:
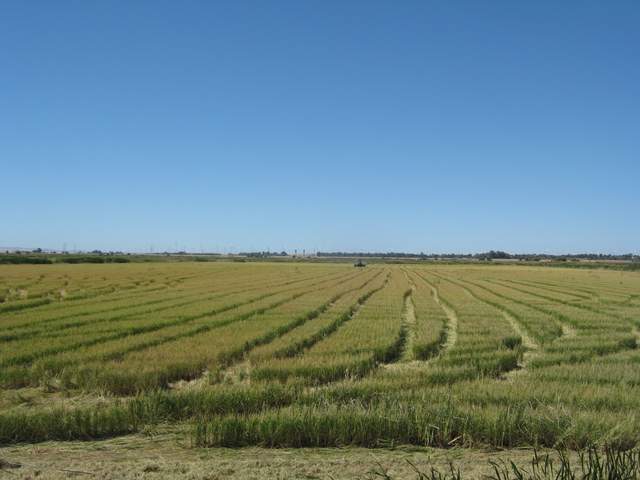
(592, 464)
(121, 418)
(393, 423)
(287, 416)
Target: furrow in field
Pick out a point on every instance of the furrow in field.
(562, 320)
(127, 288)
(555, 289)
(592, 338)
(452, 324)
(31, 356)
(54, 330)
(556, 300)
(483, 346)
(406, 359)
(365, 340)
(324, 333)
(596, 290)
(509, 315)
(45, 322)
(541, 292)
(595, 318)
(212, 349)
(238, 367)
(127, 313)
(279, 363)
(532, 349)
(77, 297)
(409, 324)
(119, 354)
(53, 305)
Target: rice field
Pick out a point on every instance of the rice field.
(321, 355)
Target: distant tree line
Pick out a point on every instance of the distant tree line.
(29, 258)
(12, 258)
(490, 255)
(263, 254)
(38, 256)
(392, 255)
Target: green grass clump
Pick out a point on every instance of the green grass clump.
(512, 342)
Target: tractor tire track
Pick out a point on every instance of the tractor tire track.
(531, 345)
(451, 328)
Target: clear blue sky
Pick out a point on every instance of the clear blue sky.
(429, 126)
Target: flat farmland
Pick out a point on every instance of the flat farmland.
(319, 355)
